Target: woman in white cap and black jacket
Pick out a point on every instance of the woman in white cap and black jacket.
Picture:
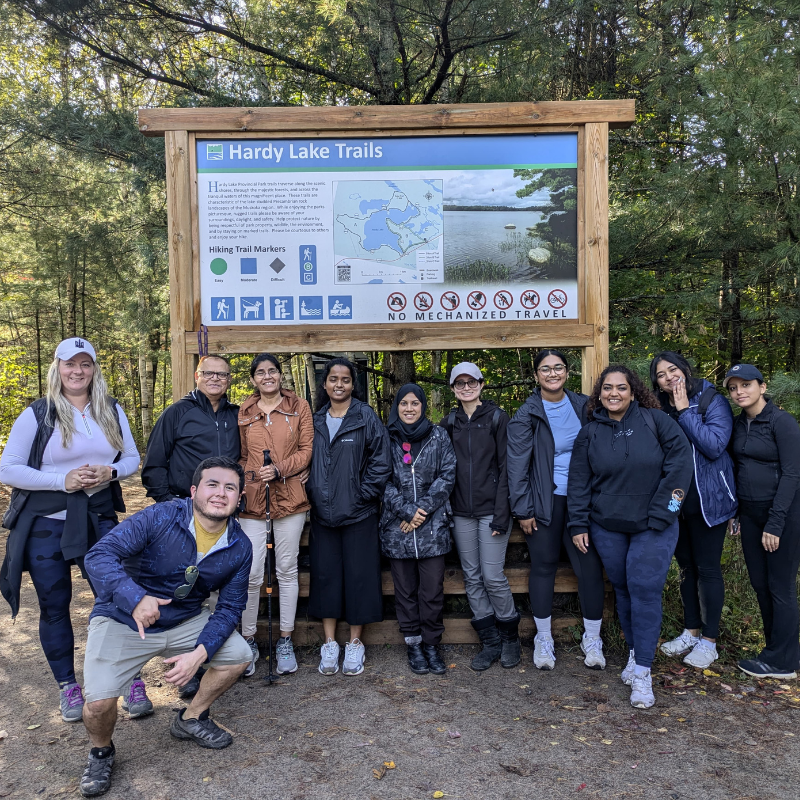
(482, 517)
(765, 446)
(540, 439)
(415, 525)
(64, 457)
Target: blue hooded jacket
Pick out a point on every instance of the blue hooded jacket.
(149, 552)
(713, 467)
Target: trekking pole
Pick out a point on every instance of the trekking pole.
(270, 679)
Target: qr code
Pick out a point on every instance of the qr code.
(343, 274)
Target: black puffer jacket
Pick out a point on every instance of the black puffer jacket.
(348, 475)
(425, 484)
(481, 488)
(531, 451)
(186, 433)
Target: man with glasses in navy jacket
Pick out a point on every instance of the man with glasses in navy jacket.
(153, 574)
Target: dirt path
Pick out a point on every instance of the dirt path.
(501, 734)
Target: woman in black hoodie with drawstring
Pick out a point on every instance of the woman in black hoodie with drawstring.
(630, 470)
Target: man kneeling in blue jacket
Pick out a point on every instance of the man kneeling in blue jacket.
(152, 574)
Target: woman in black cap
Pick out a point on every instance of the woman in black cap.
(705, 417)
(64, 457)
(415, 524)
(766, 450)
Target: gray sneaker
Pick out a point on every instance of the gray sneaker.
(284, 652)
(329, 661)
(354, 656)
(72, 703)
(136, 702)
(251, 667)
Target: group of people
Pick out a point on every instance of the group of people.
(623, 480)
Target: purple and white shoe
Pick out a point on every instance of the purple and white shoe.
(136, 702)
(72, 703)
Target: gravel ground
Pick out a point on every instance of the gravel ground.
(499, 734)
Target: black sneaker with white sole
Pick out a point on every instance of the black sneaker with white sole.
(760, 669)
(96, 778)
(203, 731)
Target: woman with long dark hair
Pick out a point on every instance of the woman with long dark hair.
(64, 457)
(274, 419)
(415, 525)
(540, 440)
(706, 418)
(350, 466)
(630, 470)
(766, 451)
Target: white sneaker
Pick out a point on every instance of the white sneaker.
(642, 691)
(251, 667)
(628, 672)
(683, 644)
(544, 651)
(354, 655)
(329, 662)
(703, 655)
(592, 647)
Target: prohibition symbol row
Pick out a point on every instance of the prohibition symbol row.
(476, 300)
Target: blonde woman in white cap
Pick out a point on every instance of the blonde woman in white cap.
(482, 516)
(64, 457)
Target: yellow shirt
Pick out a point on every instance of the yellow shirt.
(205, 540)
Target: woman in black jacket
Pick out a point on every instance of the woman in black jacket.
(630, 470)
(415, 524)
(540, 439)
(482, 517)
(766, 452)
(349, 469)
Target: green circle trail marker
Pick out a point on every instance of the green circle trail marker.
(219, 266)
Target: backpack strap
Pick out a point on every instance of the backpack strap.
(705, 401)
(449, 422)
(495, 423)
(647, 416)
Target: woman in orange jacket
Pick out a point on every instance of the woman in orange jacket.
(274, 419)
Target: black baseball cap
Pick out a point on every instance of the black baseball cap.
(746, 372)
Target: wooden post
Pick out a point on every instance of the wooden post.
(179, 227)
(595, 200)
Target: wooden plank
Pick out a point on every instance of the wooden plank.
(157, 121)
(595, 202)
(517, 575)
(179, 239)
(400, 336)
(457, 630)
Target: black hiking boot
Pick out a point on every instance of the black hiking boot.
(490, 639)
(202, 731)
(511, 645)
(416, 659)
(96, 778)
(435, 662)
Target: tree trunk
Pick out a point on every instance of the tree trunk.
(39, 352)
(311, 378)
(146, 373)
(400, 365)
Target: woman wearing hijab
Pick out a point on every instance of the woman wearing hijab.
(415, 525)
(707, 420)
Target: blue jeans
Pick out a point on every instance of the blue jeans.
(637, 565)
(52, 579)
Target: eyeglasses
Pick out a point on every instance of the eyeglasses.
(270, 373)
(407, 450)
(190, 576)
(207, 374)
(470, 384)
(558, 369)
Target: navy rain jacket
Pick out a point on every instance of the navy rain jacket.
(713, 466)
(149, 552)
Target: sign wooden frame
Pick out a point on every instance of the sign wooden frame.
(591, 119)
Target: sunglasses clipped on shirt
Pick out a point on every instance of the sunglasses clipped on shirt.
(407, 453)
(190, 576)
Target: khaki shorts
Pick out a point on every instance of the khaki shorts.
(115, 653)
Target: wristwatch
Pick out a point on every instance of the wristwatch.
(113, 474)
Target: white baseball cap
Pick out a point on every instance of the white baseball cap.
(465, 368)
(70, 348)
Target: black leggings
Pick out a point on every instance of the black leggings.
(544, 546)
(52, 579)
(774, 579)
(699, 556)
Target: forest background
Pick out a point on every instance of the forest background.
(705, 214)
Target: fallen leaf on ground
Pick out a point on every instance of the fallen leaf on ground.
(206, 780)
(452, 666)
(633, 766)
(33, 727)
(454, 734)
(607, 741)
(709, 673)
(726, 687)
(662, 730)
(310, 733)
(582, 786)
(437, 795)
(379, 772)
(603, 708)
(389, 764)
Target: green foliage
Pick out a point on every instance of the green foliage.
(17, 387)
